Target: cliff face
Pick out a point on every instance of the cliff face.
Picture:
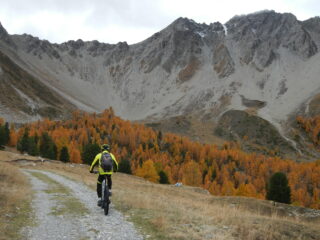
(186, 68)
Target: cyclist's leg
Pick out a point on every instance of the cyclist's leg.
(99, 185)
(109, 181)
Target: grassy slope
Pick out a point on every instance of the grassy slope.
(15, 201)
(168, 212)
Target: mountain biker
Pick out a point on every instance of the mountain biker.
(104, 172)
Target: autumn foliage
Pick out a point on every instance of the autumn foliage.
(223, 171)
(312, 128)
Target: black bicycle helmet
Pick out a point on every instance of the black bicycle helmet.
(105, 147)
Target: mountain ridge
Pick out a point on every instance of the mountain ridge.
(185, 69)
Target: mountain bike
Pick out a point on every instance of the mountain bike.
(105, 195)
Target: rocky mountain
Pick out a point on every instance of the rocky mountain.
(264, 64)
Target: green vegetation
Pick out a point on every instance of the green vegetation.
(33, 149)
(64, 155)
(30, 145)
(4, 134)
(2, 137)
(69, 206)
(125, 166)
(163, 178)
(48, 149)
(278, 189)
(89, 152)
(23, 143)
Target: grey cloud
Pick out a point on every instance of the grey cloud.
(31, 6)
(144, 13)
(141, 13)
(142, 17)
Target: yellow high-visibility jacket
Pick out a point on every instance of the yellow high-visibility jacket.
(97, 159)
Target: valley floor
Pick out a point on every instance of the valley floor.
(66, 209)
(64, 205)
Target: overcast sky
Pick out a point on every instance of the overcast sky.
(112, 21)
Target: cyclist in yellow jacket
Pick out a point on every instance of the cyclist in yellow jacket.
(104, 172)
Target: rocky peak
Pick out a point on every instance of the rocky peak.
(4, 36)
(312, 24)
(261, 34)
(186, 24)
(262, 24)
(216, 27)
(3, 31)
(75, 44)
(122, 46)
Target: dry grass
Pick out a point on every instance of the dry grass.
(14, 201)
(169, 212)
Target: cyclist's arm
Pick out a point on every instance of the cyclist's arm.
(95, 161)
(115, 161)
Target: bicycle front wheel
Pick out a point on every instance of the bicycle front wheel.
(102, 193)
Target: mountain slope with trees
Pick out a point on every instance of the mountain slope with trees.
(225, 170)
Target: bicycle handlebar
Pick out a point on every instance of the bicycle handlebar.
(96, 172)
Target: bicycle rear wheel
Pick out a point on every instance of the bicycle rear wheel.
(106, 200)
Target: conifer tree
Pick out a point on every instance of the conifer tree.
(47, 147)
(7, 132)
(23, 143)
(90, 150)
(64, 154)
(2, 137)
(33, 149)
(214, 174)
(163, 177)
(159, 136)
(125, 166)
(278, 189)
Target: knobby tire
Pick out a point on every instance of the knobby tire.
(105, 198)
(106, 201)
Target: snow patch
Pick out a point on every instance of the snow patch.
(201, 34)
(225, 29)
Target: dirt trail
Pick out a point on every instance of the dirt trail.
(65, 209)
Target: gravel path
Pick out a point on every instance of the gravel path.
(94, 225)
